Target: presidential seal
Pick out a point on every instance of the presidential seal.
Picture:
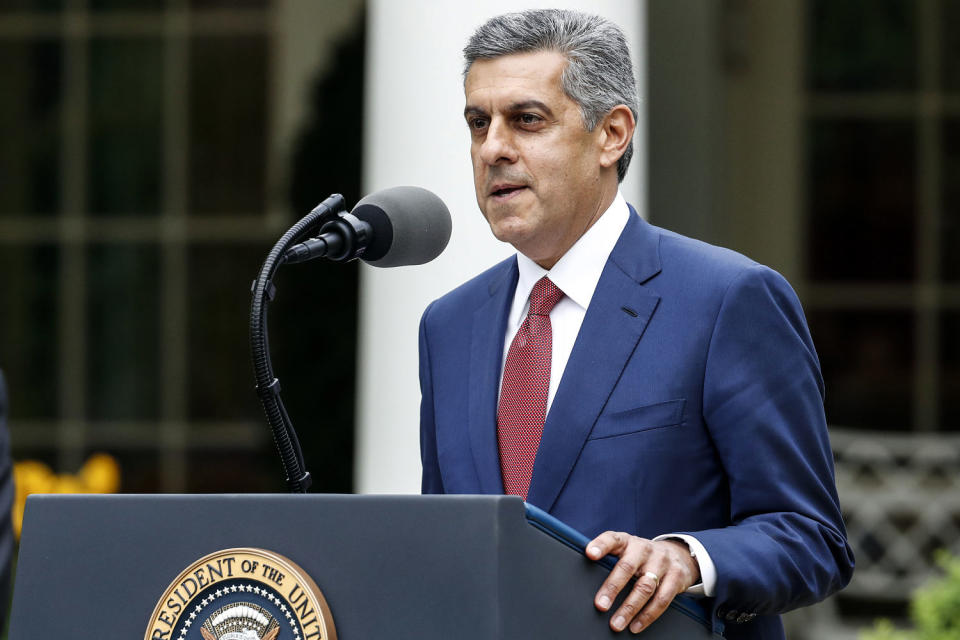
(242, 594)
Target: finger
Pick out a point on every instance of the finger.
(643, 590)
(649, 574)
(607, 542)
(632, 557)
(658, 603)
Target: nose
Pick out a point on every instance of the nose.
(497, 146)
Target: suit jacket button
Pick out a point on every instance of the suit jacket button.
(732, 615)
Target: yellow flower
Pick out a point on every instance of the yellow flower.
(100, 474)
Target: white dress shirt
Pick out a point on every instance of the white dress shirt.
(577, 273)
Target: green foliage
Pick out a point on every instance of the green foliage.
(934, 608)
(884, 630)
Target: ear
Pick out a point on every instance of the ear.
(616, 132)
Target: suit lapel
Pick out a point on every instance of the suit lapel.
(486, 352)
(618, 314)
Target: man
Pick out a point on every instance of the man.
(6, 506)
(653, 391)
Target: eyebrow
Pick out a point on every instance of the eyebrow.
(513, 107)
(523, 105)
(473, 111)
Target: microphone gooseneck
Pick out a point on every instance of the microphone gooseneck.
(389, 228)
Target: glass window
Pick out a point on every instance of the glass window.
(242, 471)
(861, 200)
(221, 374)
(228, 4)
(123, 329)
(950, 38)
(31, 86)
(30, 5)
(861, 45)
(228, 124)
(139, 469)
(950, 371)
(868, 364)
(125, 126)
(136, 5)
(29, 329)
(950, 226)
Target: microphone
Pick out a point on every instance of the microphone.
(390, 228)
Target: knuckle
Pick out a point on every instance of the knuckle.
(661, 602)
(644, 588)
(626, 567)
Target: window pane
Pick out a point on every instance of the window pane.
(30, 127)
(139, 470)
(950, 232)
(216, 470)
(950, 372)
(861, 200)
(228, 4)
(221, 373)
(126, 113)
(950, 37)
(137, 5)
(29, 327)
(313, 348)
(861, 45)
(30, 5)
(123, 332)
(868, 363)
(228, 112)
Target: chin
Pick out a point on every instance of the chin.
(509, 230)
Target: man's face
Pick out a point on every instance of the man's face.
(536, 168)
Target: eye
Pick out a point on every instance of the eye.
(529, 119)
(477, 123)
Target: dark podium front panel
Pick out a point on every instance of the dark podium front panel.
(450, 567)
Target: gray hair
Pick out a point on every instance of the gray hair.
(599, 72)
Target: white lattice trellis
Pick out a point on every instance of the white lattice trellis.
(901, 501)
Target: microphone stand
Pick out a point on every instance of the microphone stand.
(268, 386)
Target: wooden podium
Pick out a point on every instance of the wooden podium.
(425, 567)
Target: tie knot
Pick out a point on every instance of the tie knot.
(543, 297)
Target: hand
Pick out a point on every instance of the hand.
(663, 569)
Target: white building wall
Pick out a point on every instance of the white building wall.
(415, 135)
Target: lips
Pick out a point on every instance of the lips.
(506, 190)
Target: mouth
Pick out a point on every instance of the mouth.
(504, 191)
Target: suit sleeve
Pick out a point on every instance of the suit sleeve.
(763, 406)
(431, 481)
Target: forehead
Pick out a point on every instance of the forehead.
(516, 76)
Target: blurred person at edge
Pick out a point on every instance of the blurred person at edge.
(6, 506)
(677, 410)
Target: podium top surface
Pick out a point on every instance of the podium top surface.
(393, 566)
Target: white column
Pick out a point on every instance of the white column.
(415, 135)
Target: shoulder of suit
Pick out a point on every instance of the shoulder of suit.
(704, 261)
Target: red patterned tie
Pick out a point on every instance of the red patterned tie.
(523, 394)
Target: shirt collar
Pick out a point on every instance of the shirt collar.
(578, 271)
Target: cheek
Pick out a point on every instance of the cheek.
(478, 172)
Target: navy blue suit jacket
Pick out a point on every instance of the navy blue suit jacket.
(692, 402)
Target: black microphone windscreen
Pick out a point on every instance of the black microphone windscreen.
(410, 226)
